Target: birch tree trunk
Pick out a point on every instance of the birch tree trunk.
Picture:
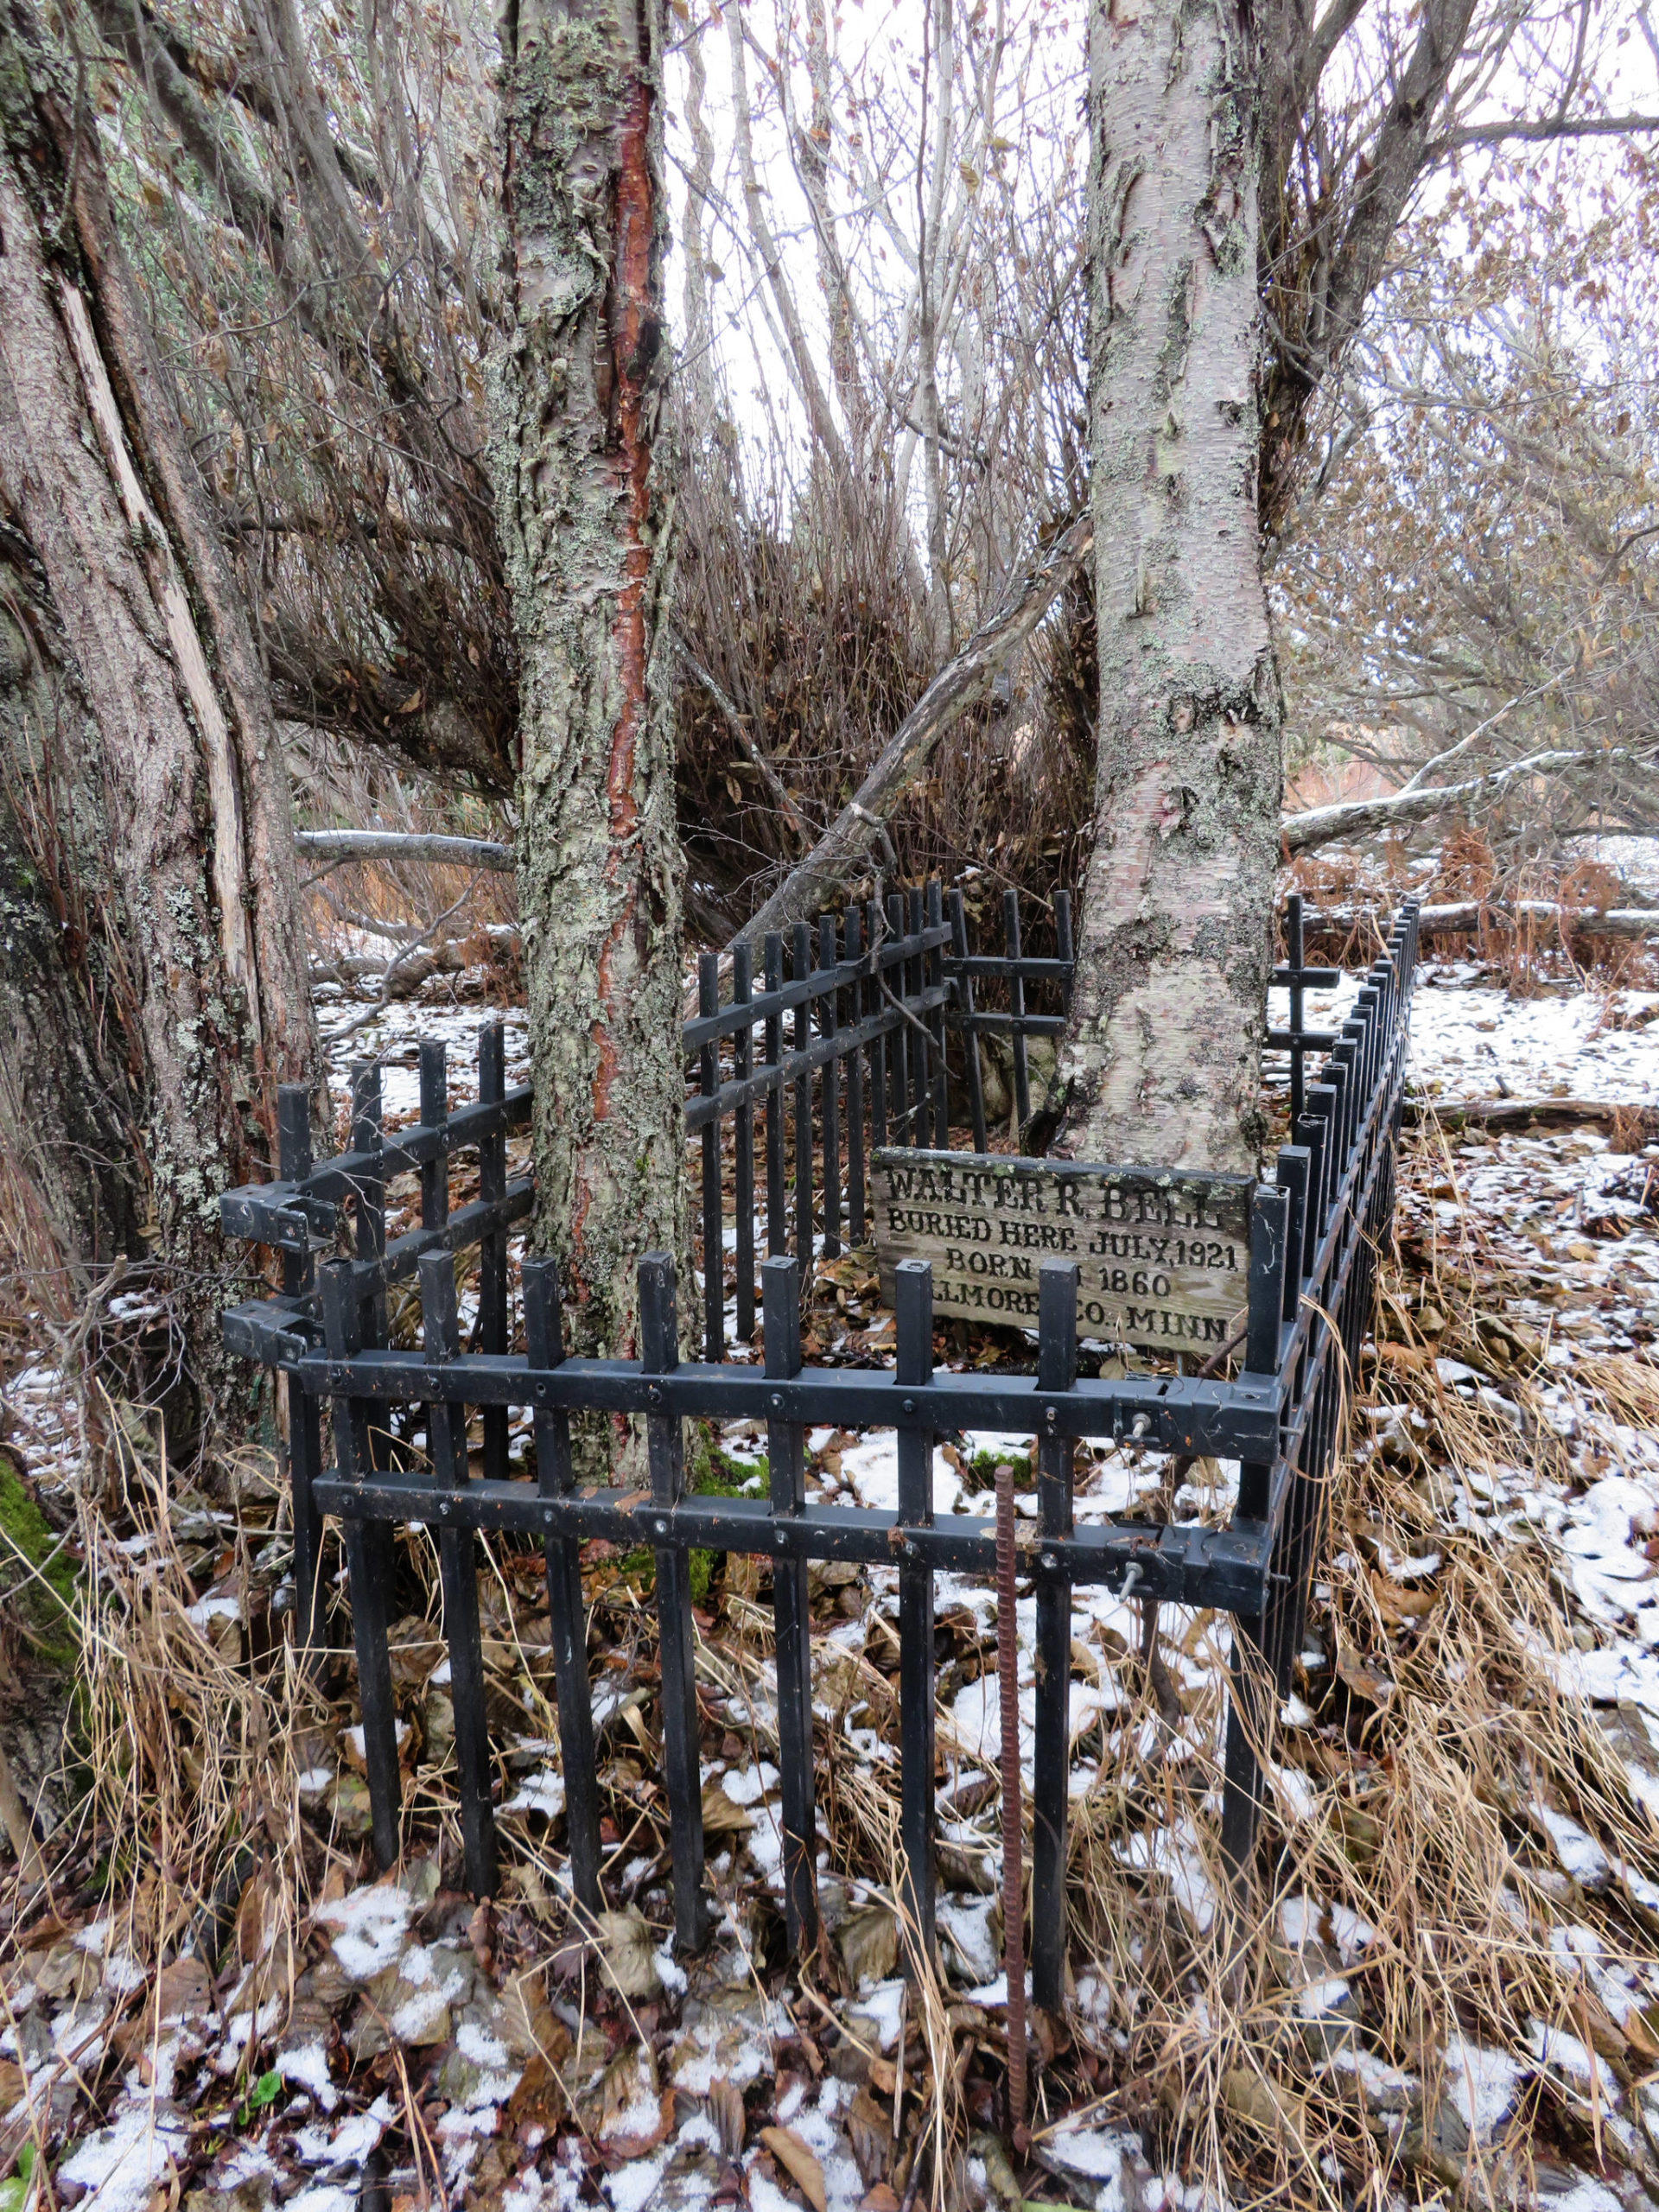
(1169, 1011)
(96, 469)
(584, 515)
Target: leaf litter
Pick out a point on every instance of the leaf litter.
(1455, 1987)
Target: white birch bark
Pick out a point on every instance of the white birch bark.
(1160, 1060)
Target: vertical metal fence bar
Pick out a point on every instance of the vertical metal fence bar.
(1285, 1600)
(1322, 1108)
(713, 1249)
(458, 1566)
(791, 1616)
(494, 1327)
(1017, 1004)
(914, 1311)
(371, 1188)
(743, 1149)
(921, 1074)
(777, 1184)
(1297, 996)
(659, 1354)
(1063, 943)
(1249, 1712)
(855, 1200)
(897, 977)
(435, 1112)
(876, 1002)
(800, 968)
(830, 1095)
(304, 1414)
(969, 1034)
(566, 1608)
(935, 974)
(1057, 1370)
(369, 1564)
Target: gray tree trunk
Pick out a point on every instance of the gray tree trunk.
(74, 1196)
(95, 468)
(1161, 1058)
(583, 512)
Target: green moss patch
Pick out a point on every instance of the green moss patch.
(37, 1583)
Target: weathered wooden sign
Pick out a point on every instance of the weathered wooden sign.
(1163, 1257)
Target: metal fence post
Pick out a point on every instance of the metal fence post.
(493, 1319)
(1248, 1702)
(781, 1290)
(1057, 1370)
(458, 1565)
(371, 1188)
(743, 1146)
(304, 1414)
(800, 968)
(369, 1564)
(913, 1310)
(567, 1609)
(777, 1186)
(830, 1095)
(713, 1249)
(659, 1354)
(855, 1190)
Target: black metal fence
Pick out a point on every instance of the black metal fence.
(1314, 1233)
(869, 1000)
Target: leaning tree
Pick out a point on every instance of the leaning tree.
(183, 998)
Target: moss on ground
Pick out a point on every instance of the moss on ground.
(37, 1582)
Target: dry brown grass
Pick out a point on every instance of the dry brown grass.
(1412, 1805)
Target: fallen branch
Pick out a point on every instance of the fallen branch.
(1324, 825)
(839, 855)
(338, 845)
(1522, 1113)
(1468, 917)
(404, 978)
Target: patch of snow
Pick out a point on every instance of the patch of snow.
(370, 1926)
(121, 2163)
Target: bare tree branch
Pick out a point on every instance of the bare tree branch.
(482, 853)
(840, 853)
(1541, 132)
(1324, 825)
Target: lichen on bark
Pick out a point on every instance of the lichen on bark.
(584, 515)
(1160, 1063)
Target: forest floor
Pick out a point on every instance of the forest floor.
(1453, 1994)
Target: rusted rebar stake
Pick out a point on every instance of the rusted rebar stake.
(1013, 1907)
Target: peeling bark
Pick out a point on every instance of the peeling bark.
(1160, 1060)
(94, 465)
(76, 1200)
(584, 517)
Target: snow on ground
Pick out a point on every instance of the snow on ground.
(1558, 1218)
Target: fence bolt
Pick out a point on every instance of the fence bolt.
(777, 1402)
(910, 1405)
(1051, 1414)
(549, 1516)
(653, 1396)
(1050, 1561)
(1141, 1428)
(662, 1528)
(541, 1390)
(443, 1505)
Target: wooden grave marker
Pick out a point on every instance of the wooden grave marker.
(1163, 1254)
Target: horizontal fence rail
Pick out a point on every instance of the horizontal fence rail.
(1315, 1230)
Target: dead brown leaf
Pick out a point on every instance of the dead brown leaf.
(802, 2166)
